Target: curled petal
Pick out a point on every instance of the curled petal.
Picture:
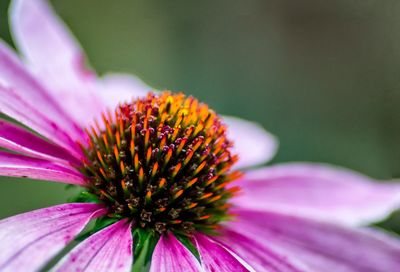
(319, 191)
(43, 38)
(252, 143)
(55, 58)
(171, 256)
(28, 241)
(17, 139)
(14, 165)
(215, 257)
(320, 245)
(107, 250)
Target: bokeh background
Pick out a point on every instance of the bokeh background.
(323, 76)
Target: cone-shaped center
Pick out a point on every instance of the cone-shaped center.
(164, 161)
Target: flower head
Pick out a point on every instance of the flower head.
(164, 161)
(158, 173)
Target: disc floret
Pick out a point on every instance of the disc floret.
(164, 161)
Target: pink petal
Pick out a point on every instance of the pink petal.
(119, 88)
(29, 240)
(171, 256)
(55, 57)
(14, 74)
(42, 37)
(23, 96)
(259, 255)
(214, 257)
(318, 191)
(17, 139)
(252, 142)
(14, 165)
(322, 246)
(12, 105)
(107, 250)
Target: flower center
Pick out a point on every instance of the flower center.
(164, 161)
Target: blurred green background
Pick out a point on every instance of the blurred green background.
(321, 75)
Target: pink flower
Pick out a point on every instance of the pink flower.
(159, 170)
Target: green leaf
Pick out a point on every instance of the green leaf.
(70, 186)
(145, 241)
(99, 224)
(189, 245)
(84, 197)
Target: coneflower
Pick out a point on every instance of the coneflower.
(162, 177)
